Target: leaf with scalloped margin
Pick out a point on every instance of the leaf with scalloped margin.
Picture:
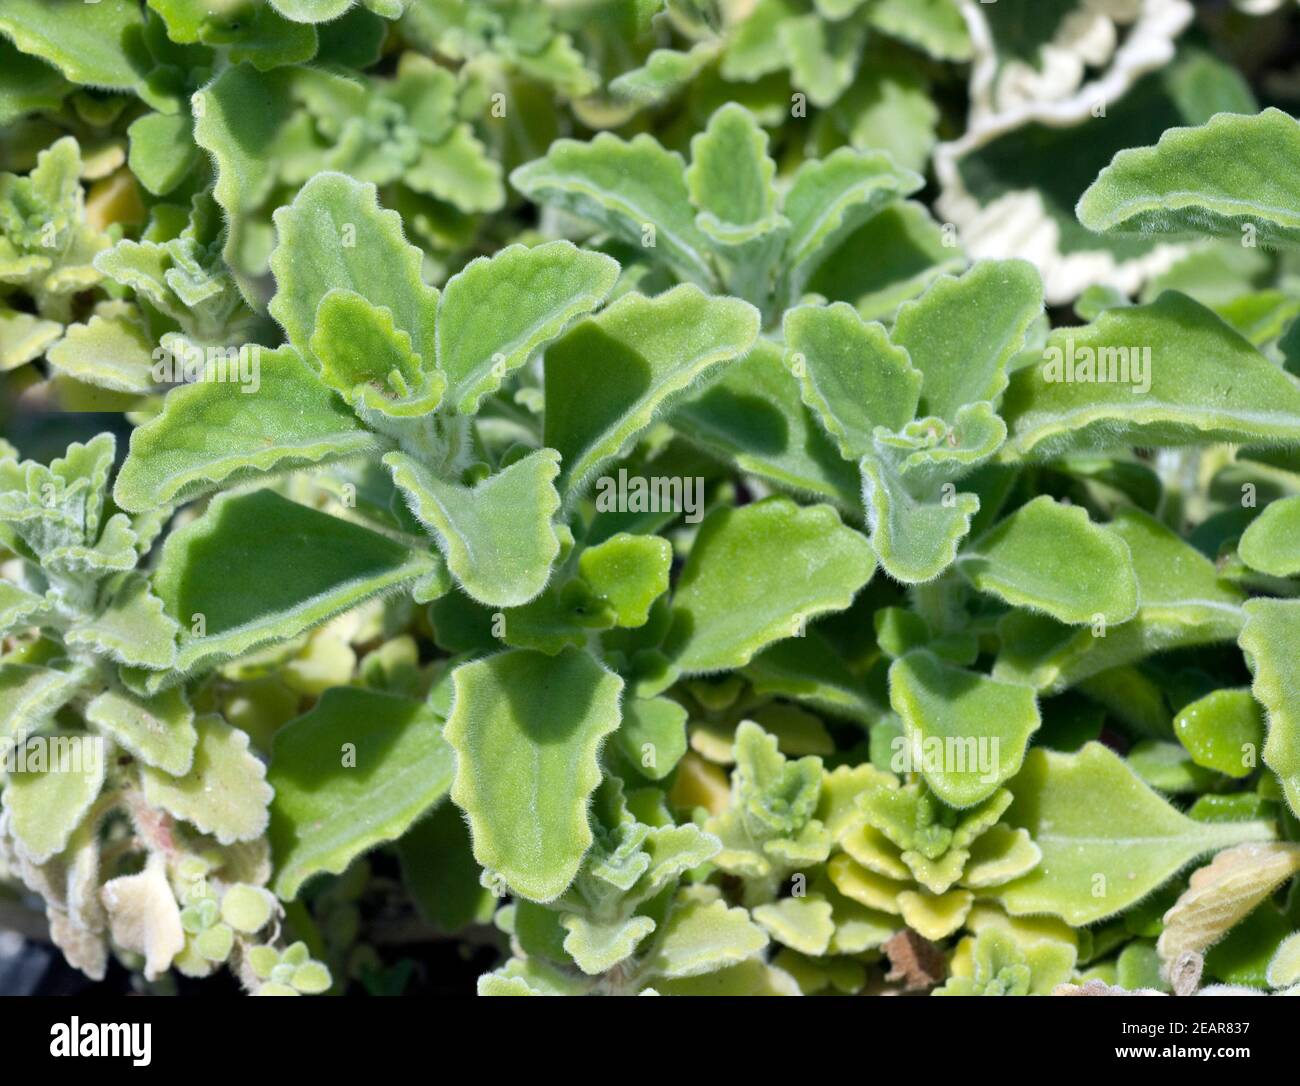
(157, 730)
(224, 793)
(27, 84)
(1182, 602)
(963, 331)
(109, 352)
(652, 735)
(93, 44)
(1271, 544)
(1050, 557)
(133, 629)
(355, 771)
(752, 415)
(24, 337)
(1210, 180)
(969, 714)
(610, 375)
(1269, 640)
(497, 537)
(498, 311)
(527, 729)
(369, 361)
(756, 574)
(850, 374)
(629, 572)
(241, 567)
(628, 187)
(211, 434)
(30, 696)
(1107, 839)
(20, 609)
(801, 923)
(1207, 384)
(663, 73)
(335, 235)
(828, 199)
(46, 805)
(703, 937)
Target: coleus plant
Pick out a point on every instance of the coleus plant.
(715, 583)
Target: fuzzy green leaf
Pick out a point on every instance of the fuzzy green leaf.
(354, 772)
(756, 575)
(276, 595)
(158, 730)
(610, 375)
(1210, 180)
(1268, 640)
(497, 312)
(1272, 542)
(1107, 839)
(527, 729)
(850, 373)
(212, 434)
(497, 537)
(224, 793)
(967, 732)
(1050, 557)
(1174, 374)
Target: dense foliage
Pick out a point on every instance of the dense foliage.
(678, 496)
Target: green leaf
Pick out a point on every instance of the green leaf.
(756, 575)
(752, 414)
(498, 311)
(24, 337)
(1215, 179)
(497, 536)
(1222, 731)
(30, 696)
(109, 352)
(611, 374)
(46, 804)
(1268, 640)
(357, 770)
(276, 595)
(158, 730)
(918, 518)
(438, 869)
(967, 732)
(335, 236)
(162, 150)
(224, 793)
(652, 735)
(1271, 544)
(1107, 839)
(1050, 557)
(850, 374)
(27, 84)
(634, 189)
(801, 923)
(628, 572)
(527, 728)
(829, 199)
(1175, 374)
(962, 332)
(212, 434)
(703, 937)
(1182, 602)
(89, 43)
(132, 629)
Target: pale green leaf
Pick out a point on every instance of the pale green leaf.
(224, 793)
(527, 728)
(498, 311)
(967, 732)
(1218, 179)
(214, 433)
(47, 801)
(703, 937)
(497, 536)
(1107, 839)
(158, 730)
